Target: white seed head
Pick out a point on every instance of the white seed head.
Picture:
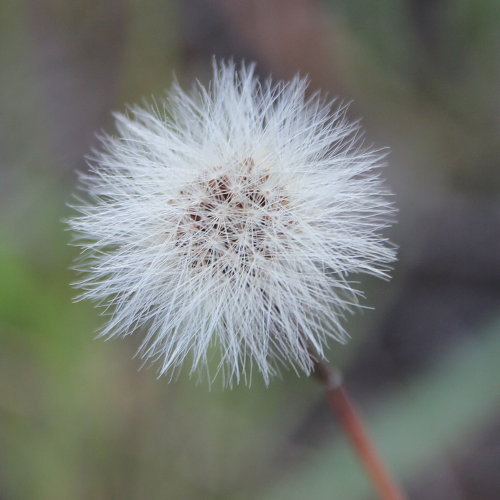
(229, 219)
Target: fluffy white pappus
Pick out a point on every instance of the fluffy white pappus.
(224, 224)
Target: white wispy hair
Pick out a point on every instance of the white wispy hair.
(229, 219)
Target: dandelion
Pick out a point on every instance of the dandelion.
(228, 221)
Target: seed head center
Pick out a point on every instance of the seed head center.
(233, 217)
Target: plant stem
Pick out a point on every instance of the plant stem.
(355, 430)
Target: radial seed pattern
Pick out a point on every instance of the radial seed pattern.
(232, 218)
(229, 220)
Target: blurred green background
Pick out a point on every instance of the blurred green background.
(78, 420)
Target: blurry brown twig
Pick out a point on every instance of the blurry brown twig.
(288, 36)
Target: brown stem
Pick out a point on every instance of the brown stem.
(353, 426)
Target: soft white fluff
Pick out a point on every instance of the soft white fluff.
(228, 220)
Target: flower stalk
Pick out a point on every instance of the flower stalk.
(355, 430)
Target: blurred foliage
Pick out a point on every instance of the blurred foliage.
(77, 418)
(440, 410)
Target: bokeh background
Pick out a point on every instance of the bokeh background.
(78, 420)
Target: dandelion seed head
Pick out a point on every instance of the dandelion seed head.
(230, 219)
